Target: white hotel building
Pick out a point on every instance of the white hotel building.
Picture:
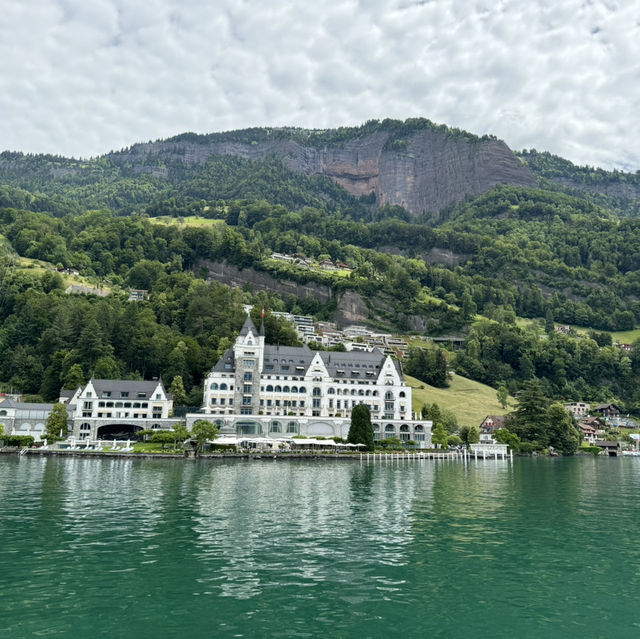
(277, 391)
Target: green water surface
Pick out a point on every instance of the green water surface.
(263, 548)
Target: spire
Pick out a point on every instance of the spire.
(248, 326)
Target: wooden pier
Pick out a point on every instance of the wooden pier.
(452, 455)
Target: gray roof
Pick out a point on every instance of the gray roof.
(354, 364)
(287, 359)
(67, 393)
(248, 325)
(11, 403)
(227, 358)
(295, 360)
(125, 385)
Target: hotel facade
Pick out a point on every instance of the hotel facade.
(259, 389)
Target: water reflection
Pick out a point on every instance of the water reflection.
(150, 548)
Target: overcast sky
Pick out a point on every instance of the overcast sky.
(82, 77)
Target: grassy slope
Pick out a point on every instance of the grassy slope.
(185, 221)
(470, 401)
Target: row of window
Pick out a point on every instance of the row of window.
(89, 405)
(123, 395)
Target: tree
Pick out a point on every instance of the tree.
(562, 433)
(469, 435)
(74, 378)
(57, 423)
(361, 430)
(548, 322)
(503, 395)
(178, 391)
(440, 436)
(180, 433)
(505, 436)
(203, 430)
(530, 420)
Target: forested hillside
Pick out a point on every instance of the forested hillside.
(489, 263)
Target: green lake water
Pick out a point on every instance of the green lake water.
(263, 548)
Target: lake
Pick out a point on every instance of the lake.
(538, 547)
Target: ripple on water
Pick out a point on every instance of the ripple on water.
(102, 547)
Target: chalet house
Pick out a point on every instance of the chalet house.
(492, 423)
(607, 410)
(589, 433)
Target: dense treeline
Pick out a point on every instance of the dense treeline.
(616, 190)
(50, 340)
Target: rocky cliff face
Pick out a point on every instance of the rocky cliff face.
(431, 170)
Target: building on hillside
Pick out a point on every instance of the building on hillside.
(24, 418)
(607, 410)
(578, 409)
(492, 423)
(138, 295)
(112, 408)
(589, 432)
(275, 391)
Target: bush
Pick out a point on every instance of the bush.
(594, 450)
(20, 441)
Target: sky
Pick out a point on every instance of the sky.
(83, 77)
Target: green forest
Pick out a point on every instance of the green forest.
(500, 270)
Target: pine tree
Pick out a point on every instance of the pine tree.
(361, 431)
(178, 391)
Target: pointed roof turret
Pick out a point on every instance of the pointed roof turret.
(248, 326)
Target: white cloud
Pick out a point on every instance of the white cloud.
(81, 78)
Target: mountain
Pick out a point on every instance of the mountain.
(616, 190)
(415, 164)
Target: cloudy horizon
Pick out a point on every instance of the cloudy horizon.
(81, 79)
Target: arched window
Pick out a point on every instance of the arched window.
(292, 427)
(156, 427)
(213, 386)
(85, 426)
(275, 427)
(360, 392)
(302, 389)
(402, 394)
(404, 428)
(332, 391)
(3, 412)
(353, 391)
(269, 388)
(285, 389)
(278, 389)
(223, 387)
(294, 389)
(376, 428)
(419, 429)
(388, 395)
(368, 393)
(389, 428)
(316, 392)
(375, 393)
